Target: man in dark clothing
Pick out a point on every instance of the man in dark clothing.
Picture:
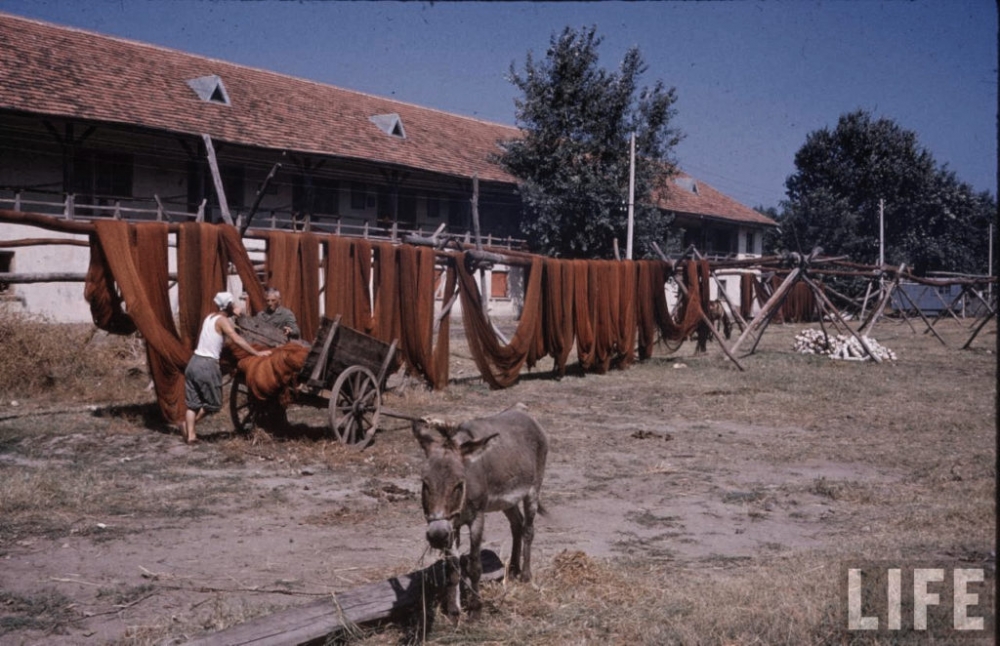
(277, 315)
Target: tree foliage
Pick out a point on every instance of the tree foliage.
(572, 162)
(933, 221)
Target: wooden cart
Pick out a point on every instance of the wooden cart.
(345, 372)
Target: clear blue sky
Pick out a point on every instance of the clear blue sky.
(752, 78)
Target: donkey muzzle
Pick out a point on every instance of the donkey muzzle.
(439, 534)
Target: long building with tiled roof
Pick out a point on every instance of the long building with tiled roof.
(61, 85)
(66, 72)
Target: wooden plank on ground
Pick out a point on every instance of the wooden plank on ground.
(314, 622)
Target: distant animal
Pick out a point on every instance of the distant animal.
(717, 314)
(487, 464)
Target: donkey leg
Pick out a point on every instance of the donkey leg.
(451, 600)
(475, 569)
(516, 535)
(530, 510)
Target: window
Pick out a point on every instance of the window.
(359, 194)
(722, 241)
(210, 89)
(751, 242)
(390, 124)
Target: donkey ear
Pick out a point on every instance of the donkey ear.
(426, 433)
(472, 450)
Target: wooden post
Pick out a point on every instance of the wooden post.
(982, 324)
(772, 304)
(260, 196)
(315, 622)
(484, 287)
(159, 208)
(704, 318)
(877, 312)
(930, 328)
(220, 191)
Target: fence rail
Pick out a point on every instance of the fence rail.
(65, 204)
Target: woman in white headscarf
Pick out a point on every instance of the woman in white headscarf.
(203, 377)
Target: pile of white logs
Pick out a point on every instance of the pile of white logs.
(840, 346)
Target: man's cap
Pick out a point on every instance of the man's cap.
(223, 300)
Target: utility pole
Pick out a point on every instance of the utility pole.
(881, 245)
(631, 196)
(989, 266)
(881, 232)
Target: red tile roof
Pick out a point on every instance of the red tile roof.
(685, 194)
(66, 72)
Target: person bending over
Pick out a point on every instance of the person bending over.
(203, 376)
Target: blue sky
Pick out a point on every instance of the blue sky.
(752, 78)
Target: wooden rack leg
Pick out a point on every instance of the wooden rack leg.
(982, 324)
(930, 328)
(766, 312)
(822, 297)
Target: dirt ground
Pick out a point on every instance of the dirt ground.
(682, 460)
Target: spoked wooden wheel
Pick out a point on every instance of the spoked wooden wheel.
(354, 406)
(248, 412)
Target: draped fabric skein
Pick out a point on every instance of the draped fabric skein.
(134, 257)
(291, 266)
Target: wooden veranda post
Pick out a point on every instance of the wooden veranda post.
(220, 190)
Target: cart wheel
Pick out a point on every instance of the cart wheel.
(247, 412)
(241, 408)
(354, 406)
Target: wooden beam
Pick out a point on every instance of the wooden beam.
(32, 242)
(220, 191)
(764, 316)
(317, 621)
(47, 277)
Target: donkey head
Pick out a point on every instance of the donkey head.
(449, 454)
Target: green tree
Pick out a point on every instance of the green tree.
(572, 162)
(933, 222)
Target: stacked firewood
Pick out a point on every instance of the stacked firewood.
(841, 346)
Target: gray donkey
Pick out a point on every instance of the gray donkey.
(482, 465)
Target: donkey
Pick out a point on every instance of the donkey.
(482, 465)
(717, 313)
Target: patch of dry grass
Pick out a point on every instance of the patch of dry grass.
(43, 359)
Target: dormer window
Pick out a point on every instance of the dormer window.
(390, 124)
(210, 89)
(687, 183)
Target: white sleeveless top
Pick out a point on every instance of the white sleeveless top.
(210, 341)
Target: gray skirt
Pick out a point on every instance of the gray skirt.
(203, 384)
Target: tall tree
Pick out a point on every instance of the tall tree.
(572, 162)
(933, 222)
